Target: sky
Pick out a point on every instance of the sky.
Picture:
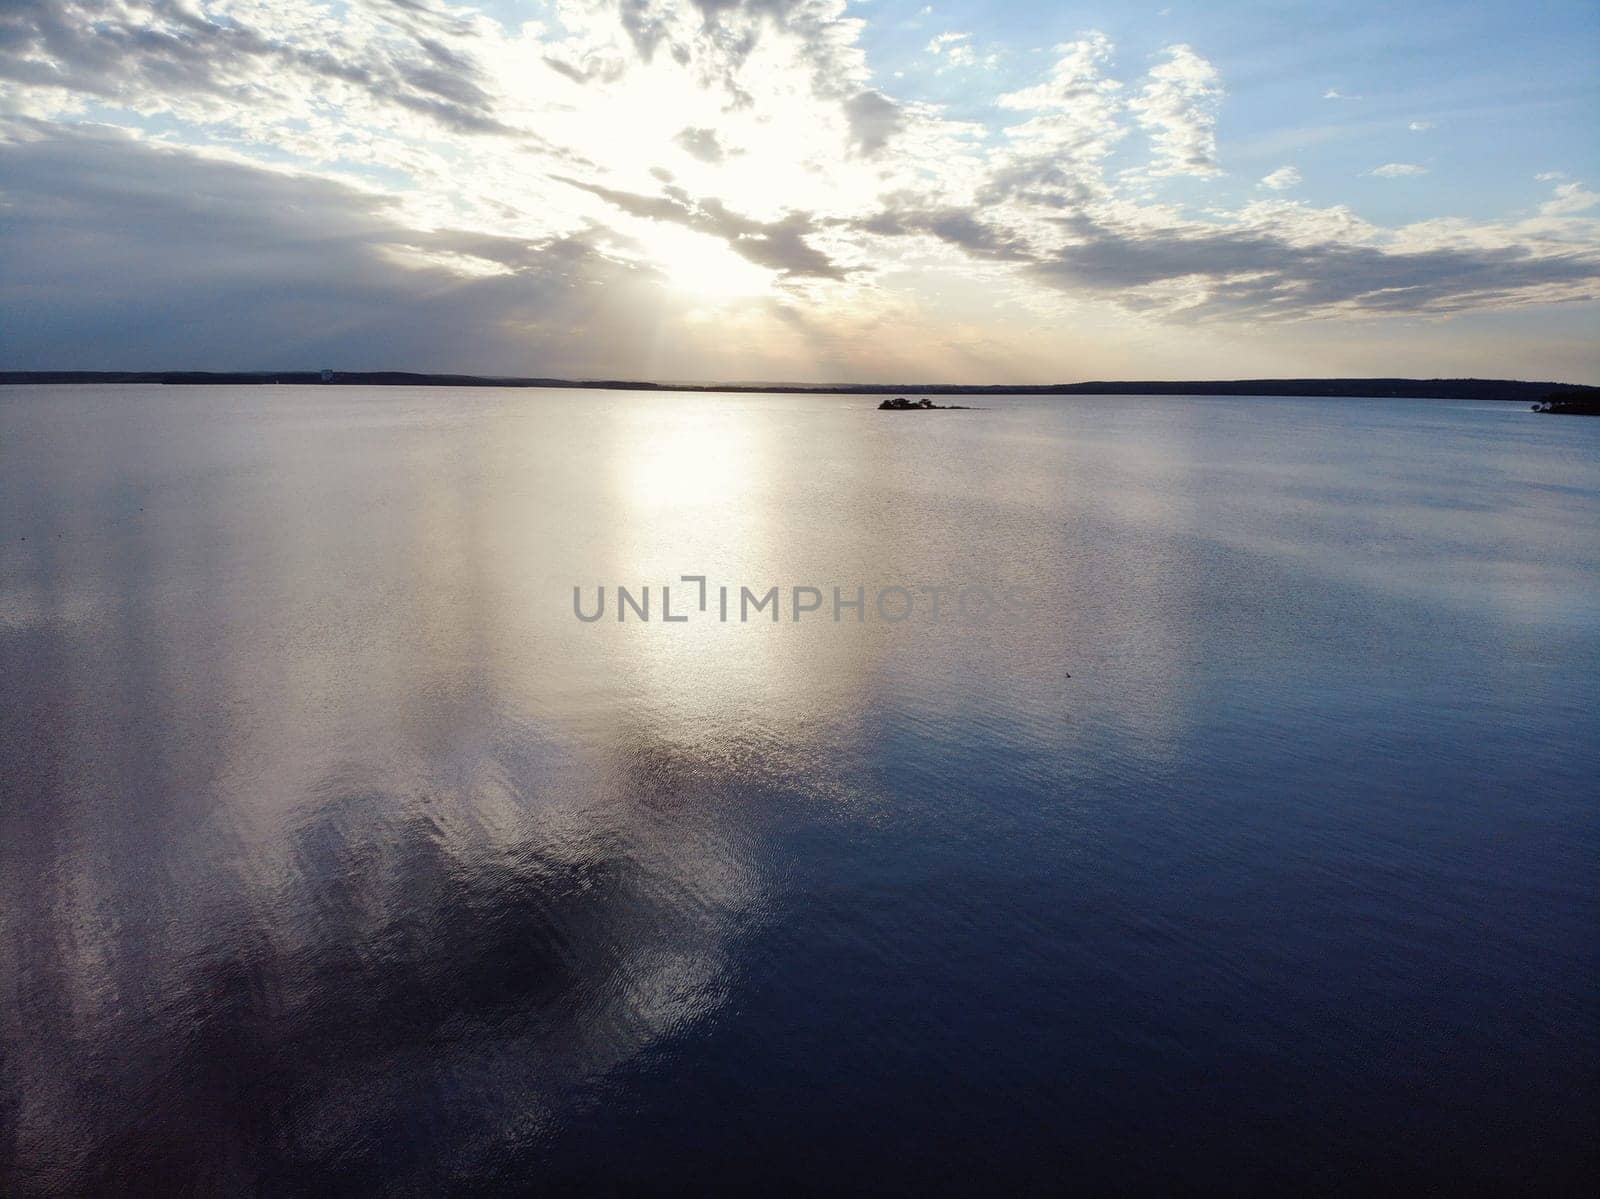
(802, 190)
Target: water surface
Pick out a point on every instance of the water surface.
(1259, 854)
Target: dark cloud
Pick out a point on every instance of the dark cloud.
(160, 50)
(1047, 181)
(420, 17)
(1254, 273)
(594, 67)
(647, 25)
(960, 227)
(731, 29)
(121, 255)
(874, 119)
(1262, 274)
(778, 245)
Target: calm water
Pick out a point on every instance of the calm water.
(334, 849)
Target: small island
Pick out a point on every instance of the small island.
(901, 404)
(1579, 403)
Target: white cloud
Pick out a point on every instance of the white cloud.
(1420, 126)
(964, 55)
(1398, 170)
(1334, 93)
(1178, 108)
(943, 41)
(1281, 179)
(1570, 198)
(1055, 156)
(1549, 176)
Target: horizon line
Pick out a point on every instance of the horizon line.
(1349, 386)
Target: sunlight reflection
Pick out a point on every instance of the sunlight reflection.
(684, 463)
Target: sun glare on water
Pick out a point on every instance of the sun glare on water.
(687, 461)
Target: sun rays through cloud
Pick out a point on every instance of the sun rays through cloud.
(522, 187)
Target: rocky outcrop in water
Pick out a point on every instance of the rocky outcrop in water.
(901, 404)
(1581, 403)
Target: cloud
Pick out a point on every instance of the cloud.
(954, 226)
(1334, 93)
(778, 245)
(1270, 266)
(166, 57)
(123, 254)
(874, 119)
(1275, 261)
(1420, 126)
(595, 67)
(1398, 170)
(1077, 82)
(1055, 157)
(702, 144)
(1570, 198)
(1178, 108)
(1281, 179)
(410, 183)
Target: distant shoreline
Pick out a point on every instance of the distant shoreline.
(1436, 389)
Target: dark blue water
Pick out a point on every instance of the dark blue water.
(1257, 851)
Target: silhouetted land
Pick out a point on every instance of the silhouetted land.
(1442, 389)
(901, 404)
(1575, 403)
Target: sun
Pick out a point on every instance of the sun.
(704, 267)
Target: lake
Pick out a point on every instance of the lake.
(1250, 844)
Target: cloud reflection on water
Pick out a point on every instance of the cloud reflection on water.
(331, 839)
